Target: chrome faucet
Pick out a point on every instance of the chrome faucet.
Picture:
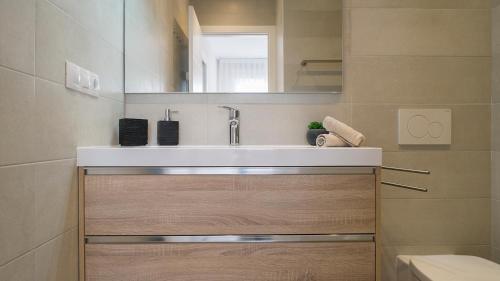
(234, 125)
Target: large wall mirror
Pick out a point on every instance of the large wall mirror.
(233, 46)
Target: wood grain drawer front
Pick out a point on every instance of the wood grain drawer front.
(231, 262)
(212, 205)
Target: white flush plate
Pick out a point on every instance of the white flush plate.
(425, 126)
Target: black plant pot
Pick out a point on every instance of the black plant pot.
(312, 135)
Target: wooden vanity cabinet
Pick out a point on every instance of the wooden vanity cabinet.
(125, 216)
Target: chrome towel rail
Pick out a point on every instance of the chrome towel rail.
(413, 171)
(306, 62)
(424, 172)
(416, 188)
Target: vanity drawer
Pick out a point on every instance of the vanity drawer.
(231, 262)
(227, 204)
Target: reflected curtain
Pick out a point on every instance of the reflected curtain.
(242, 75)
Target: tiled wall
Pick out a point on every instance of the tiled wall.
(495, 168)
(149, 45)
(312, 30)
(426, 54)
(42, 123)
(399, 54)
(421, 54)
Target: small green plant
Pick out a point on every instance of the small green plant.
(316, 125)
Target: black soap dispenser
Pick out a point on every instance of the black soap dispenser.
(168, 130)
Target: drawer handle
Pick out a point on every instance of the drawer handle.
(230, 239)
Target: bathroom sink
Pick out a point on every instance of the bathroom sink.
(228, 156)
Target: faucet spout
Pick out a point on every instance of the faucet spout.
(234, 125)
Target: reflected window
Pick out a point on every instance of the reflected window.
(237, 62)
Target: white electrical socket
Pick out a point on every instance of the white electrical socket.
(94, 82)
(82, 80)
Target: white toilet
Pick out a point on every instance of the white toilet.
(446, 268)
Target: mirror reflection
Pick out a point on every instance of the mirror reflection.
(233, 46)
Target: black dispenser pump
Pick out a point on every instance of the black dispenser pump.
(168, 130)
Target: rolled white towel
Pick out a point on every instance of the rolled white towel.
(330, 140)
(346, 133)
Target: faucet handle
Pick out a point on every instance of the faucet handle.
(233, 112)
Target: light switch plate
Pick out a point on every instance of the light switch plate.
(425, 126)
(82, 80)
(72, 76)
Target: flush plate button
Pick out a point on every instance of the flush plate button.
(425, 126)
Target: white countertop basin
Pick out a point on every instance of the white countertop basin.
(228, 156)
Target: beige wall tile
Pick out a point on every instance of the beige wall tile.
(58, 259)
(272, 124)
(495, 224)
(21, 269)
(315, 5)
(495, 255)
(59, 38)
(202, 124)
(430, 4)
(84, 49)
(139, 78)
(50, 53)
(312, 30)
(390, 253)
(380, 125)
(56, 199)
(495, 116)
(454, 174)
(495, 27)
(17, 104)
(419, 80)
(471, 133)
(435, 222)
(495, 175)
(104, 18)
(420, 32)
(298, 80)
(495, 119)
(282, 99)
(43, 121)
(318, 23)
(299, 48)
(17, 211)
(495, 77)
(97, 120)
(17, 26)
(108, 63)
(150, 44)
(55, 119)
